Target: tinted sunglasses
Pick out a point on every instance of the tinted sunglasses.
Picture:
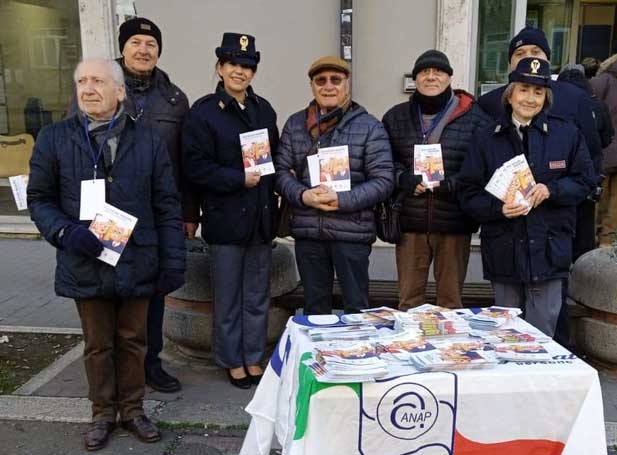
(320, 81)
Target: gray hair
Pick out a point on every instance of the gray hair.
(117, 74)
(507, 93)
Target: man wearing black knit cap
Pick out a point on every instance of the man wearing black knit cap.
(573, 104)
(434, 229)
(153, 100)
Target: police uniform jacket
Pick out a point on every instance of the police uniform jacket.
(212, 163)
(140, 182)
(536, 247)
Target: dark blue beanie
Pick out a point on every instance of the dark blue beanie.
(529, 35)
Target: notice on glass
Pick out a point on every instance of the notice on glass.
(512, 182)
(19, 184)
(256, 153)
(428, 162)
(113, 228)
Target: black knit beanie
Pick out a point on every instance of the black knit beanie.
(530, 35)
(139, 26)
(432, 59)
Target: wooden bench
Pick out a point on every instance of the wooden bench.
(385, 293)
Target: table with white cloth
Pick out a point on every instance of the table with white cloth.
(523, 408)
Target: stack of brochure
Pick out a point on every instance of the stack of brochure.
(455, 356)
(376, 316)
(522, 352)
(512, 181)
(511, 336)
(399, 346)
(348, 332)
(493, 317)
(430, 324)
(346, 362)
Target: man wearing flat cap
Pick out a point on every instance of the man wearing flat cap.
(573, 104)
(154, 101)
(433, 226)
(333, 231)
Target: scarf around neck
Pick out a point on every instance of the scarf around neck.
(318, 124)
(432, 104)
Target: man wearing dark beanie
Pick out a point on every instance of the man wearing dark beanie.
(434, 228)
(153, 100)
(573, 104)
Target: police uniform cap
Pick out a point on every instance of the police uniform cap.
(238, 48)
(532, 70)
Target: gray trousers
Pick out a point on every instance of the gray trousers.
(241, 283)
(540, 302)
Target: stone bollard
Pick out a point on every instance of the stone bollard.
(189, 310)
(593, 284)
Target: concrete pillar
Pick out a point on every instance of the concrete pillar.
(98, 28)
(456, 38)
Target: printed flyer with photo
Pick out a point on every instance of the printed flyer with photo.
(256, 153)
(113, 228)
(428, 162)
(19, 184)
(512, 182)
(330, 167)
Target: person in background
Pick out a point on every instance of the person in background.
(240, 214)
(527, 246)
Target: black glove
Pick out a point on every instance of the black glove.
(169, 281)
(408, 181)
(78, 239)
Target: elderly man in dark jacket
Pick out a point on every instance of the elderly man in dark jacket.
(434, 228)
(333, 230)
(154, 101)
(102, 147)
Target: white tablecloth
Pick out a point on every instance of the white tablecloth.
(539, 408)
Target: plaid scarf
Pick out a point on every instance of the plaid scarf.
(318, 125)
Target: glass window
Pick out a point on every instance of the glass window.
(39, 48)
(554, 18)
(494, 24)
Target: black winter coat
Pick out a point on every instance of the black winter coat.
(570, 103)
(212, 159)
(536, 247)
(437, 211)
(372, 177)
(139, 183)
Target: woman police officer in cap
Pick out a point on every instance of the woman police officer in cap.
(239, 208)
(527, 246)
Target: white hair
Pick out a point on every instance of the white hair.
(115, 70)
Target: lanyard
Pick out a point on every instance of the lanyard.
(426, 133)
(95, 159)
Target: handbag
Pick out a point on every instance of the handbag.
(285, 208)
(387, 218)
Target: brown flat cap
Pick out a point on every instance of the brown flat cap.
(329, 62)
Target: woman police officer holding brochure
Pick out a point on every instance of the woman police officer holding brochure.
(527, 245)
(239, 207)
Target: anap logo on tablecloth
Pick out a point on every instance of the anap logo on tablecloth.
(412, 414)
(407, 411)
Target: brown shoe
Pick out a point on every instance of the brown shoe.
(142, 428)
(97, 435)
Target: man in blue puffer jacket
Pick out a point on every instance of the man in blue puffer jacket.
(131, 164)
(333, 230)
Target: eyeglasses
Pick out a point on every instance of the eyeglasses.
(320, 81)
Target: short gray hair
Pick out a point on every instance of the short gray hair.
(548, 102)
(117, 74)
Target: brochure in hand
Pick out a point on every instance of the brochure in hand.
(428, 162)
(512, 181)
(330, 167)
(19, 184)
(113, 228)
(256, 153)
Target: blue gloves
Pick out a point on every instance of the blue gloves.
(169, 281)
(79, 240)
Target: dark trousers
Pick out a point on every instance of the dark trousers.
(318, 260)
(115, 347)
(241, 283)
(156, 311)
(585, 238)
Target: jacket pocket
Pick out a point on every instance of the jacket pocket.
(145, 260)
(559, 251)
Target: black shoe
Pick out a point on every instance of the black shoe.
(161, 381)
(97, 435)
(242, 383)
(142, 428)
(255, 378)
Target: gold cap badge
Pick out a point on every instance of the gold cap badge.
(244, 42)
(535, 66)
